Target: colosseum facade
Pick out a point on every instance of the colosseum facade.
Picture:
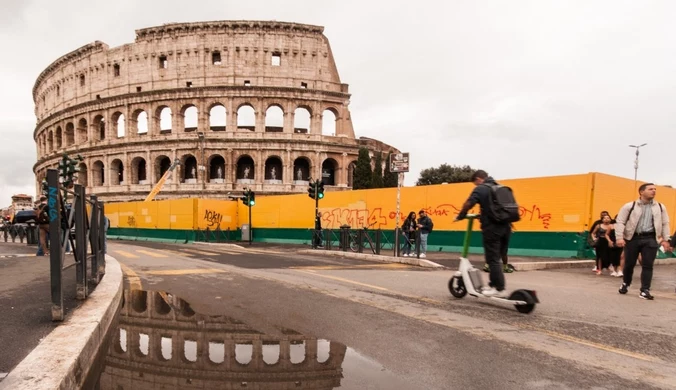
(237, 103)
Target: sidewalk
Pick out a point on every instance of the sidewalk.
(25, 301)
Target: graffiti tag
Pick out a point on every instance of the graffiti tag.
(131, 221)
(213, 218)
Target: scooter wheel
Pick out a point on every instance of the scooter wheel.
(457, 287)
(522, 296)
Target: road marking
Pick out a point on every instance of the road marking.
(604, 347)
(26, 255)
(186, 271)
(177, 253)
(151, 254)
(348, 267)
(201, 252)
(587, 343)
(127, 254)
(134, 279)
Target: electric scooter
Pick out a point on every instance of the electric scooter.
(468, 279)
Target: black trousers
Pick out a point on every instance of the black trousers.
(496, 244)
(646, 246)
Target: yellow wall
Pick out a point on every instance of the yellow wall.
(612, 192)
(557, 204)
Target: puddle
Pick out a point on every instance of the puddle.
(158, 341)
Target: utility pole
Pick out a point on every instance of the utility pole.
(636, 163)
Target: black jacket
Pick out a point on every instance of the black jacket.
(426, 223)
(482, 196)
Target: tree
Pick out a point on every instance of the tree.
(390, 179)
(445, 174)
(377, 181)
(362, 171)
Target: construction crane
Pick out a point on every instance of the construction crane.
(160, 184)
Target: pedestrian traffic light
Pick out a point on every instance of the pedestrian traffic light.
(320, 189)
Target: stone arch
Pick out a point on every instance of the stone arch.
(162, 164)
(329, 121)
(116, 172)
(59, 138)
(69, 134)
(271, 352)
(140, 118)
(274, 170)
(216, 162)
(302, 164)
(98, 173)
(190, 117)
(139, 171)
(350, 173)
(117, 120)
(50, 141)
(217, 117)
(274, 119)
(246, 117)
(329, 171)
(246, 169)
(82, 175)
(189, 165)
(82, 135)
(100, 127)
(163, 119)
(301, 120)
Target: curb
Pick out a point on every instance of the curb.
(378, 258)
(62, 359)
(533, 266)
(221, 244)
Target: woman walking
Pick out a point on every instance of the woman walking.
(408, 231)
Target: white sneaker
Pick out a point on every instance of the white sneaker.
(405, 255)
(422, 255)
(613, 274)
(492, 292)
(612, 270)
(620, 274)
(594, 269)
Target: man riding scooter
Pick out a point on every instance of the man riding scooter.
(498, 211)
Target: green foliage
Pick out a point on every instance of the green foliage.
(389, 178)
(377, 181)
(362, 172)
(445, 174)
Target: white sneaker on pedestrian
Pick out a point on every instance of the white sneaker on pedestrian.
(493, 292)
(422, 255)
(613, 274)
(620, 274)
(405, 255)
(611, 269)
(594, 269)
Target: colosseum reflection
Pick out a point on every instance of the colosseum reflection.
(237, 103)
(160, 342)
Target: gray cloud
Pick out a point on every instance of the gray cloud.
(526, 88)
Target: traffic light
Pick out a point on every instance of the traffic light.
(312, 191)
(68, 168)
(320, 189)
(249, 198)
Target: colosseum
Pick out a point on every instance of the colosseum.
(237, 104)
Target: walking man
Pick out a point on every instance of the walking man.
(641, 227)
(496, 229)
(425, 225)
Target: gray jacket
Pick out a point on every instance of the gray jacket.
(625, 228)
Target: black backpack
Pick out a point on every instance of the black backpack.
(43, 214)
(503, 207)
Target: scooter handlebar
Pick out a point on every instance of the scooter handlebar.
(472, 216)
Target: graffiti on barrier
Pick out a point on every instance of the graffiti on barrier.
(131, 221)
(377, 218)
(213, 218)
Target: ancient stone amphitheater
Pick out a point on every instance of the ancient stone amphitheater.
(237, 103)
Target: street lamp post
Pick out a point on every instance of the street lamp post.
(637, 147)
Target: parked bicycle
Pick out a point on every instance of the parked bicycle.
(354, 239)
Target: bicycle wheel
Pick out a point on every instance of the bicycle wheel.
(354, 246)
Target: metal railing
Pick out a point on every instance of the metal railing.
(356, 240)
(84, 230)
(217, 235)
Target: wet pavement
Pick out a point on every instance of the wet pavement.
(159, 341)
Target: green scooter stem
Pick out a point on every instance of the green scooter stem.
(470, 221)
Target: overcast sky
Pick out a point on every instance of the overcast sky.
(518, 88)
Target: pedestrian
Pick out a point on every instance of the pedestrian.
(425, 225)
(592, 239)
(318, 234)
(43, 226)
(408, 229)
(641, 227)
(498, 211)
(604, 244)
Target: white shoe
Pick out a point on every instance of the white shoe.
(405, 255)
(422, 255)
(613, 274)
(594, 269)
(492, 292)
(620, 274)
(612, 270)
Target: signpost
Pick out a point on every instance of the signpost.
(399, 163)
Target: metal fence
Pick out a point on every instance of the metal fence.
(374, 241)
(83, 227)
(216, 235)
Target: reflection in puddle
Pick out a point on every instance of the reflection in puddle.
(160, 342)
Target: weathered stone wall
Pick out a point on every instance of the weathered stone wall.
(182, 91)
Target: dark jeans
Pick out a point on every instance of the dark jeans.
(647, 246)
(496, 244)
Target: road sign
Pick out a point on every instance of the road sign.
(399, 162)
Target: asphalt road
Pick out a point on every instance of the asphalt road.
(403, 330)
